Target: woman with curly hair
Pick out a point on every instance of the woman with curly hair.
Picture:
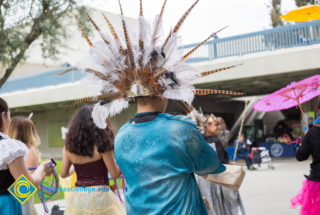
(23, 129)
(90, 150)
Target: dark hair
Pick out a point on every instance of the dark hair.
(83, 134)
(319, 105)
(3, 108)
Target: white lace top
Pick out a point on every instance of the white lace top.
(10, 150)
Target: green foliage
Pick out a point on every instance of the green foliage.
(300, 3)
(24, 21)
(276, 13)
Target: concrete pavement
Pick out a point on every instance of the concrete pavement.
(268, 192)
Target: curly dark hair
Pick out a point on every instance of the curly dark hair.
(83, 134)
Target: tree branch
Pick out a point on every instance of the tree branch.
(34, 34)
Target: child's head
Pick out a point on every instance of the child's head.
(23, 129)
(241, 138)
(83, 134)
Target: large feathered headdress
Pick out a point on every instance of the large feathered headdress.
(143, 66)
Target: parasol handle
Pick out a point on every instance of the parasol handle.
(240, 131)
(303, 116)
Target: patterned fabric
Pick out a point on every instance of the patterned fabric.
(158, 159)
(222, 200)
(317, 122)
(94, 202)
(10, 150)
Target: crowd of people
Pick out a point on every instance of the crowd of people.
(161, 156)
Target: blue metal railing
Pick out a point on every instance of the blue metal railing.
(303, 34)
(41, 80)
(278, 38)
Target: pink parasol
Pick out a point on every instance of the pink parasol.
(294, 94)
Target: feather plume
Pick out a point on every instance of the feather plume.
(67, 70)
(185, 73)
(109, 96)
(96, 27)
(203, 74)
(158, 24)
(83, 32)
(141, 9)
(98, 74)
(181, 93)
(106, 55)
(86, 99)
(141, 44)
(101, 112)
(113, 33)
(129, 46)
(204, 92)
(145, 36)
(186, 56)
(180, 22)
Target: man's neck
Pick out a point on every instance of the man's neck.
(147, 108)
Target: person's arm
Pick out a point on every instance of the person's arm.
(18, 167)
(222, 154)
(66, 164)
(32, 159)
(204, 158)
(303, 151)
(110, 162)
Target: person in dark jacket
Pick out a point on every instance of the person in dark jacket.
(212, 129)
(309, 196)
(243, 152)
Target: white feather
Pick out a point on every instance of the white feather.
(145, 36)
(182, 93)
(157, 28)
(100, 113)
(185, 73)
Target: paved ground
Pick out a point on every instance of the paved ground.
(265, 191)
(268, 192)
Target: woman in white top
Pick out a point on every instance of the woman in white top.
(12, 164)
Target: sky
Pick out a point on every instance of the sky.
(241, 16)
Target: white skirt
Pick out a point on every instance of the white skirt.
(96, 202)
(28, 207)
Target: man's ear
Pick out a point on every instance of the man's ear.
(3, 115)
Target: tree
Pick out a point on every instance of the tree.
(24, 21)
(300, 3)
(276, 13)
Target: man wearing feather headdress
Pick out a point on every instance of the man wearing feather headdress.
(158, 153)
